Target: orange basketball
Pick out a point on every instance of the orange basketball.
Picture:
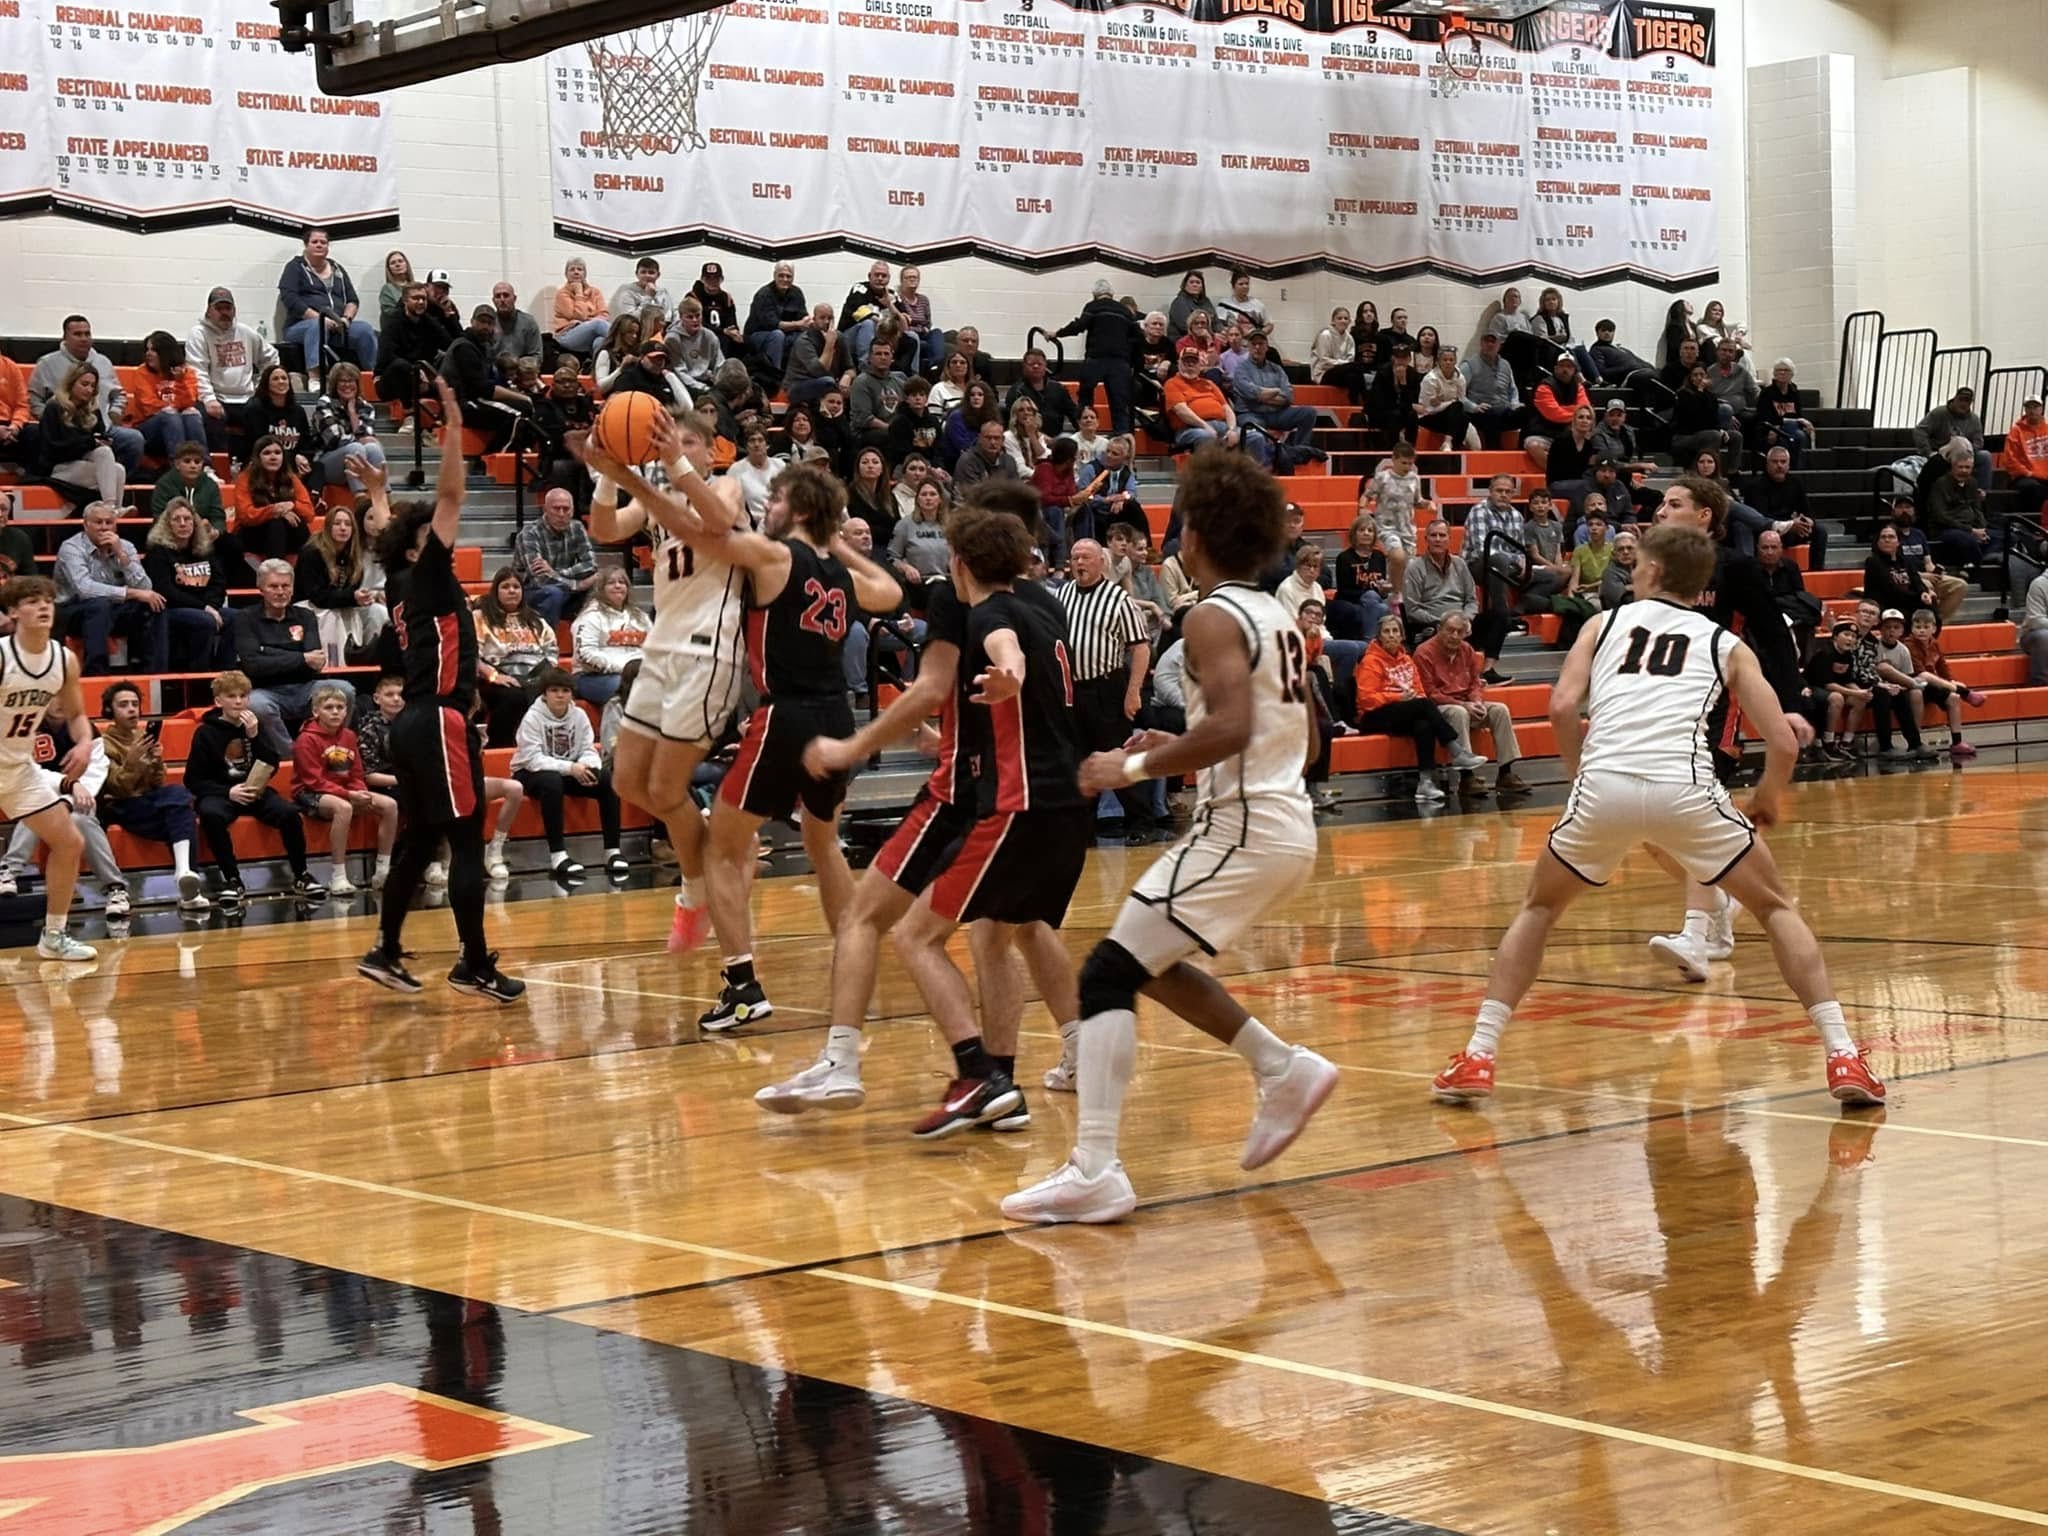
(625, 427)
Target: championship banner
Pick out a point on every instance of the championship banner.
(188, 114)
(1576, 145)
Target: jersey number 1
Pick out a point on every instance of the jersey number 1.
(1666, 655)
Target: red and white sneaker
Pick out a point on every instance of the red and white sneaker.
(1851, 1080)
(1466, 1078)
(687, 931)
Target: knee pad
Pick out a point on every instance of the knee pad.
(1110, 979)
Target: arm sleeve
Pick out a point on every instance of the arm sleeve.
(131, 567)
(72, 559)
(586, 740)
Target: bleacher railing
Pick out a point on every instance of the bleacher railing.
(1904, 376)
(2004, 392)
(1856, 380)
(1954, 368)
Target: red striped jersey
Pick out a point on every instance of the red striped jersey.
(436, 630)
(1027, 750)
(793, 641)
(945, 618)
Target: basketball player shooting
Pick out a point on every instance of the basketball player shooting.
(1251, 734)
(35, 671)
(1647, 678)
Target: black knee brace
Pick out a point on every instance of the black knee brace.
(1110, 979)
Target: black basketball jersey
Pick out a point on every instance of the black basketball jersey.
(436, 630)
(1027, 750)
(793, 642)
(945, 618)
(1740, 599)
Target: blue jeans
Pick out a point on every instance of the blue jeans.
(279, 702)
(853, 654)
(772, 345)
(1296, 422)
(595, 687)
(127, 445)
(197, 644)
(583, 336)
(1358, 621)
(336, 464)
(96, 620)
(162, 432)
(357, 344)
(553, 601)
(1188, 439)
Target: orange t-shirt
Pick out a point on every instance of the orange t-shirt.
(1199, 395)
(153, 393)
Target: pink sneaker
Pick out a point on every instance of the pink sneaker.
(1961, 752)
(688, 929)
(1973, 698)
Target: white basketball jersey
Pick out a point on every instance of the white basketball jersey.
(1270, 766)
(27, 685)
(698, 603)
(1658, 672)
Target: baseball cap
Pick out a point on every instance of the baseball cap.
(437, 275)
(711, 269)
(1891, 613)
(1617, 405)
(220, 296)
(2031, 400)
(1842, 624)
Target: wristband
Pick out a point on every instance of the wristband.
(1134, 768)
(682, 469)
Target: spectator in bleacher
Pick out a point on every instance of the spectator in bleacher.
(607, 634)
(832, 434)
(863, 311)
(1057, 413)
(1391, 701)
(1614, 438)
(1157, 360)
(872, 401)
(320, 300)
(190, 479)
(1250, 313)
(1834, 697)
(518, 332)
(1427, 345)
(1780, 497)
(1090, 442)
(1061, 494)
(1897, 684)
(1510, 319)
(621, 347)
(778, 313)
(1112, 493)
(693, 347)
(1305, 581)
(333, 578)
(165, 405)
(989, 458)
(1612, 364)
(1802, 610)
(1440, 403)
(1778, 418)
(2034, 631)
(52, 380)
(869, 495)
(17, 426)
(1593, 552)
(275, 413)
(893, 637)
(1618, 585)
(1449, 671)
(1953, 590)
(79, 795)
(1394, 334)
(1511, 579)
(17, 553)
(1550, 323)
(2025, 458)
(77, 444)
(813, 359)
(1026, 441)
(278, 647)
(228, 769)
(397, 278)
(1396, 394)
(721, 309)
(137, 795)
(754, 471)
(1715, 327)
(979, 364)
(489, 407)
(439, 300)
(951, 388)
(1557, 398)
(103, 591)
(1332, 349)
(1395, 495)
(1265, 395)
(1696, 420)
(964, 423)
(1955, 513)
(565, 407)
(1436, 584)
(1192, 299)
(415, 338)
(328, 785)
(1202, 337)
(1543, 533)
(1956, 418)
(556, 755)
(1195, 407)
(917, 546)
(1678, 330)
(582, 318)
(182, 562)
(644, 292)
(801, 426)
(344, 434)
(553, 560)
(273, 509)
(1734, 386)
(1363, 587)
(1673, 375)
(1568, 462)
(914, 310)
(1110, 353)
(513, 644)
(1937, 684)
(1493, 402)
(1893, 578)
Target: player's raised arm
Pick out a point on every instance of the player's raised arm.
(873, 588)
(1219, 655)
(609, 522)
(1569, 693)
(1759, 702)
(451, 486)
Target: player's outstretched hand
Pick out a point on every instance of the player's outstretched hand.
(928, 742)
(1146, 741)
(375, 477)
(995, 686)
(827, 755)
(77, 760)
(1102, 770)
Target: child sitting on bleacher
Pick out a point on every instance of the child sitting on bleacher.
(373, 741)
(228, 771)
(328, 785)
(1395, 493)
(273, 509)
(53, 740)
(557, 755)
(138, 796)
(1930, 671)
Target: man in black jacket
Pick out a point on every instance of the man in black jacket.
(1113, 340)
(1780, 496)
(227, 772)
(1057, 412)
(778, 313)
(414, 338)
(721, 309)
(492, 408)
(647, 374)
(277, 644)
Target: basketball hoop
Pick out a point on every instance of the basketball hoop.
(647, 83)
(1461, 54)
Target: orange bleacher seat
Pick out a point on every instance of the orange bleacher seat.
(1990, 671)
(1976, 639)
(469, 563)
(1826, 584)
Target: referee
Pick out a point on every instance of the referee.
(1109, 654)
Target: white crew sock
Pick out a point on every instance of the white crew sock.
(383, 863)
(1696, 924)
(498, 845)
(337, 870)
(558, 858)
(1268, 1054)
(181, 858)
(1834, 1029)
(1493, 1018)
(611, 853)
(842, 1046)
(1108, 1057)
(692, 893)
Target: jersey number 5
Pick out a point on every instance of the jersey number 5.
(1666, 653)
(827, 614)
(1293, 666)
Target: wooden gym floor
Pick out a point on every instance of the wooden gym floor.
(547, 1269)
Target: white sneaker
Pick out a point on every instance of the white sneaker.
(1286, 1103)
(340, 887)
(7, 885)
(1468, 761)
(1683, 951)
(1428, 790)
(1721, 929)
(1061, 1078)
(494, 861)
(192, 892)
(61, 946)
(824, 1084)
(117, 903)
(1066, 1195)
(437, 873)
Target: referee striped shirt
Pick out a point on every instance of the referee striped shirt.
(1102, 625)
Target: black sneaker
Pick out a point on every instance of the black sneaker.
(968, 1102)
(306, 888)
(387, 971)
(616, 867)
(736, 1005)
(1495, 676)
(486, 980)
(568, 871)
(1018, 1119)
(233, 896)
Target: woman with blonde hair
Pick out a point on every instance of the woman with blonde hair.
(397, 278)
(582, 318)
(180, 558)
(344, 433)
(329, 580)
(78, 444)
(1026, 439)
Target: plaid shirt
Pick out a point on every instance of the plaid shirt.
(1485, 518)
(567, 553)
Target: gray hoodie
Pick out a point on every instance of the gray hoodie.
(52, 368)
(228, 360)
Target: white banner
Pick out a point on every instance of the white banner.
(185, 114)
(1289, 134)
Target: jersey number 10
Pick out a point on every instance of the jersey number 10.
(1666, 654)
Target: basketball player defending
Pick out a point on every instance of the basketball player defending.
(921, 848)
(690, 678)
(1251, 733)
(1648, 677)
(437, 756)
(34, 671)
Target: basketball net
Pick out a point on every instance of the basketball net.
(647, 83)
(1462, 57)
